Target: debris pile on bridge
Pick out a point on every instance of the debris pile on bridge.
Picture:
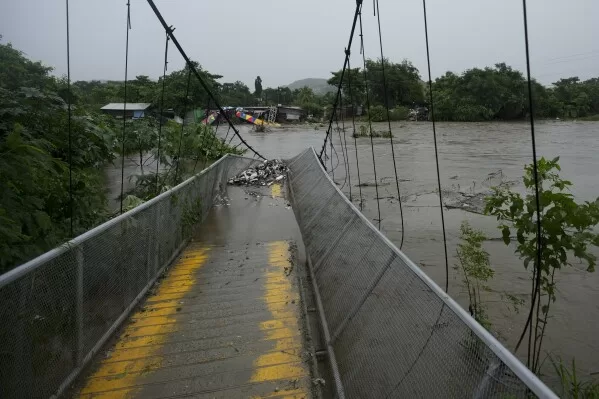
(265, 174)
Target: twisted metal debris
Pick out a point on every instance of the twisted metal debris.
(265, 174)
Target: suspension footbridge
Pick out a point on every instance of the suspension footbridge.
(203, 291)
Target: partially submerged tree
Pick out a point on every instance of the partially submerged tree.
(476, 269)
(567, 233)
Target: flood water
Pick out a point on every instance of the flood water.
(472, 157)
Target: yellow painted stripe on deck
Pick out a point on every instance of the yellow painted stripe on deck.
(275, 190)
(268, 368)
(123, 374)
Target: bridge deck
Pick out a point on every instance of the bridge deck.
(225, 321)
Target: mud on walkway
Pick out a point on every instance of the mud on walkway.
(225, 321)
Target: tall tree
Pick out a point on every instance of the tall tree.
(34, 162)
(353, 85)
(402, 80)
(258, 87)
(235, 94)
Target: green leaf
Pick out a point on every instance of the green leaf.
(520, 236)
(506, 235)
(43, 220)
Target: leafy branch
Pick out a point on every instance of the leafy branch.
(566, 233)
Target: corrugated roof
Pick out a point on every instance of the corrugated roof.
(130, 106)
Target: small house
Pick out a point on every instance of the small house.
(290, 114)
(133, 110)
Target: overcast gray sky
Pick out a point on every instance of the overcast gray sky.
(283, 41)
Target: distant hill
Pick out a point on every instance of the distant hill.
(319, 86)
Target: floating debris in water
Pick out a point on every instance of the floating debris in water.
(265, 174)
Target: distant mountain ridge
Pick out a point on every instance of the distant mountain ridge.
(318, 85)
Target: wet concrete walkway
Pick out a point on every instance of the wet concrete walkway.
(225, 321)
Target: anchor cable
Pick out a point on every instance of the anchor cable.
(430, 90)
(161, 116)
(376, 183)
(182, 125)
(347, 178)
(198, 76)
(433, 327)
(351, 38)
(353, 117)
(125, 104)
(386, 96)
(537, 269)
(69, 108)
(204, 134)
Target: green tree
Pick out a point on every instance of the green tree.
(305, 95)
(481, 94)
(353, 85)
(235, 94)
(567, 232)
(176, 86)
(16, 71)
(476, 269)
(402, 80)
(141, 139)
(181, 150)
(142, 90)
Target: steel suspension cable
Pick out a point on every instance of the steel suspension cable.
(386, 96)
(353, 117)
(211, 95)
(351, 39)
(204, 134)
(336, 119)
(125, 104)
(537, 269)
(343, 143)
(182, 125)
(430, 90)
(433, 327)
(213, 140)
(340, 144)
(231, 139)
(227, 135)
(69, 110)
(332, 169)
(161, 116)
(376, 182)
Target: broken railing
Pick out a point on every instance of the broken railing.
(389, 330)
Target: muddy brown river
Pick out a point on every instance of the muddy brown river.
(473, 157)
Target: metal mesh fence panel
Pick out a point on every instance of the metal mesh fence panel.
(58, 309)
(393, 331)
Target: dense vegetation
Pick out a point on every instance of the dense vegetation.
(35, 161)
(497, 93)
(501, 93)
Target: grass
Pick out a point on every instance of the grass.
(571, 384)
(594, 118)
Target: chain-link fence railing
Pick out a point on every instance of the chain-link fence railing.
(58, 309)
(392, 330)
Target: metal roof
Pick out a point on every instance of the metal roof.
(130, 106)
